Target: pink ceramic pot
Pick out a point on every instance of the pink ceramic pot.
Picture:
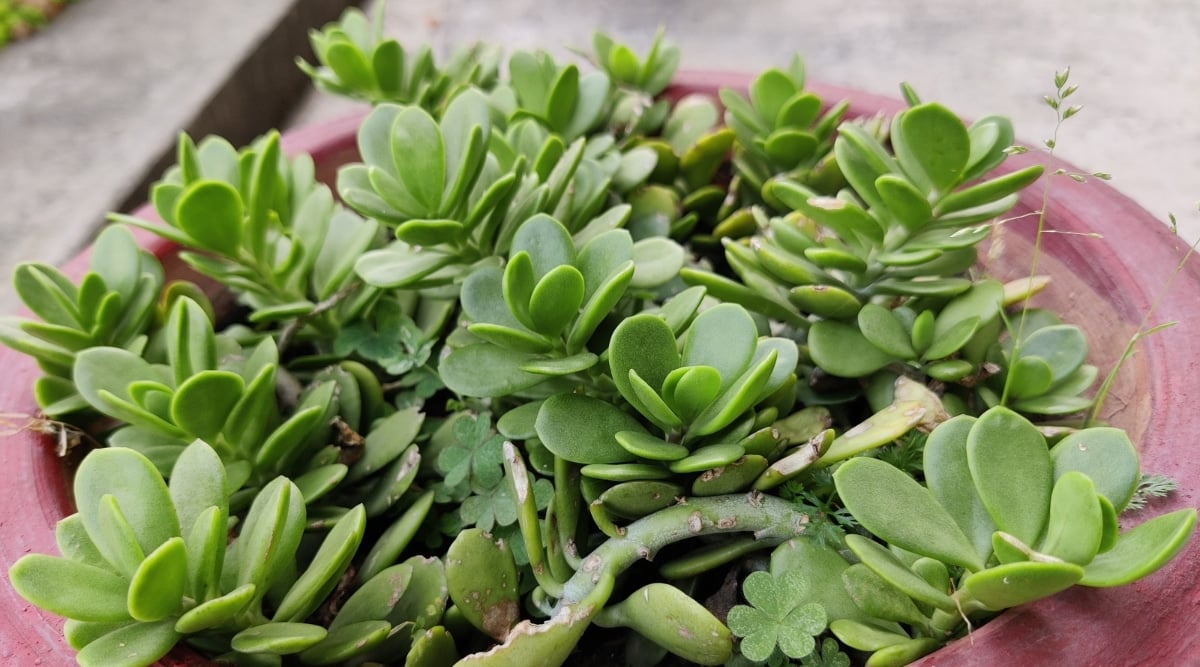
(1106, 285)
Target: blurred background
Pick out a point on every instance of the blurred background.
(91, 103)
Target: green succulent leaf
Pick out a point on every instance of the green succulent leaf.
(1013, 472)
(948, 477)
(135, 645)
(1142, 550)
(157, 587)
(582, 429)
(890, 504)
(1012, 584)
(1106, 456)
(71, 589)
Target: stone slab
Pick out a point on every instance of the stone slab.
(91, 107)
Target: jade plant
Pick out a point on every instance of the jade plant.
(564, 368)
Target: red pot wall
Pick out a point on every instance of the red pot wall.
(1105, 285)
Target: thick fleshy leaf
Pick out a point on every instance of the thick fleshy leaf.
(486, 369)
(270, 535)
(881, 328)
(1012, 470)
(71, 589)
(739, 397)
(582, 429)
(556, 299)
(216, 611)
(157, 587)
(878, 598)
(1012, 584)
(1063, 347)
(932, 145)
(347, 642)
(1142, 550)
(326, 568)
(879, 429)
(547, 241)
(840, 349)
(134, 645)
(203, 402)
(894, 507)
(895, 572)
(646, 344)
(656, 261)
(137, 487)
(675, 621)
(1076, 524)
(634, 500)
(419, 152)
(277, 638)
(1106, 456)
(516, 286)
(948, 478)
(481, 576)
(652, 406)
(723, 337)
(211, 212)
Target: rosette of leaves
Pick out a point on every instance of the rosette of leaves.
(1022, 520)
(260, 224)
(781, 130)
(637, 81)
(566, 102)
(114, 305)
(535, 318)
(145, 564)
(710, 405)
(355, 60)
(228, 400)
(906, 227)
(681, 197)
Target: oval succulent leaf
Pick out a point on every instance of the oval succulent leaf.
(134, 645)
(1142, 550)
(1012, 470)
(932, 145)
(157, 587)
(948, 478)
(136, 486)
(582, 429)
(643, 343)
(723, 337)
(1106, 456)
(1076, 524)
(211, 212)
(1012, 584)
(894, 507)
(70, 589)
(326, 568)
(555, 300)
(482, 580)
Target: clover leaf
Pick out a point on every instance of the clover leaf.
(475, 456)
(829, 655)
(388, 337)
(776, 617)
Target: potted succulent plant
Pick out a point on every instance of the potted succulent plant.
(573, 371)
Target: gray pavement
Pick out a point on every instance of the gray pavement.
(88, 108)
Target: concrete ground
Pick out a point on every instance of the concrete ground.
(147, 69)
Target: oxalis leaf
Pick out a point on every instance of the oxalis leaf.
(778, 616)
